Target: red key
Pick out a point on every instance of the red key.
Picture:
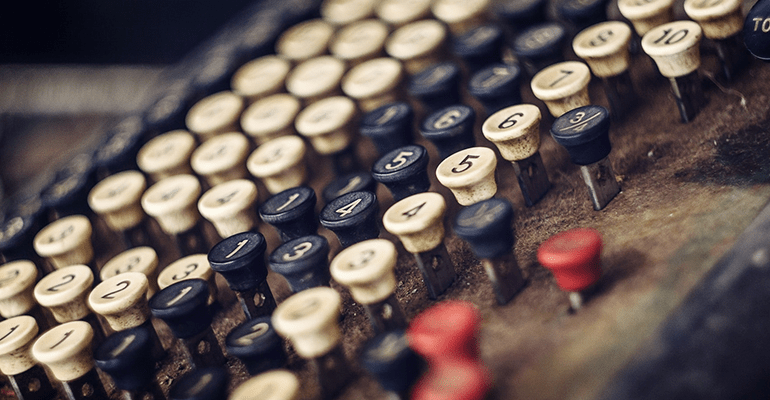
(445, 332)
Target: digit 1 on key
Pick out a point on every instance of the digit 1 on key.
(675, 48)
(516, 133)
(584, 132)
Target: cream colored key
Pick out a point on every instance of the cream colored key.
(167, 155)
(230, 206)
(173, 203)
(195, 266)
(374, 83)
(674, 47)
(461, 15)
(66, 350)
(305, 40)
(260, 78)
(279, 163)
(316, 78)
(66, 241)
(215, 114)
(17, 336)
(359, 41)
(719, 19)
(418, 44)
(221, 158)
(122, 300)
(401, 12)
(278, 384)
(271, 117)
(64, 292)
(343, 12)
(367, 270)
(563, 86)
(646, 14)
(142, 259)
(309, 320)
(469, 174)
(17, 282)
(515, 131)
(604, 47)
(328, 124)
(418, 221)
(117, 199)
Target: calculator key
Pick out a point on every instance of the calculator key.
(273, 385)
(142, 259)
(329, 126)
(417, 44)
(291, 212)
(359, 41)
(260, 78)
(167, 155)
(647, 14)
(173, 202)
(28, 379)
(520, 14)
(479, 46)
(117, 199)
(303, 262)
(64, 292)
(126, 356)
(540, 45)
(446, 332)
(352, 217)
(221, 158)
(208, 383)
(215, 114)
(583, 13)
(722, 22)
(454, 380)
(496, 86)
(195, 266)
(675, 48)
(117, 152)
(389, 359)
(401, 12)
(66, 241)
(305, 40)
(354, 182)
(374, 83)
(257, 345)
(404, 171)
(316, 78)
(122, 300)
(755, 29)
(389, 126)
(563, 86)
(270, 117)
(437, 86)
(344, 12)
(230, 206)
(450, 129)
(279, 163)
(418, 221)
(17, 282)
(17, 234)
(469, 174)
(460, 15)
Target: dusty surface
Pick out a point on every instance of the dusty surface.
(688, 191)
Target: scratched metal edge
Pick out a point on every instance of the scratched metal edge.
(716, 344)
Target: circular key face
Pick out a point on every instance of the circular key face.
(291, 212)
(755, 30)
(469, 174)
(16, 233)
(323, 122)
(272, 385)
(127, 357)
(240, 259)
(359, 41)
(604, 47)
(299, 255)
(66, 350)
(66, 286)
(230, 206)
(167, 154)
(203, 383)
(480, 45)
(309, 320)
(173, 202)
(183, 307)
(583, 12)
(436, 86)
(416, 40)
(280, 163)
(348, 210)
(674, 47)
(562, 86)
(497, 85)
(373, 78)
(252, 338)
(417, 221)
(454, 380)
(486, 225)
(66, 241)
(450, 129)
(646, 14)
(17, 278)
(215, 113)
(540, 41)
(221, 158)
(522, 13)
(343, 12)
(584, 132)
(389, 359)
(195, 266)
(139, 259)
(446, 331)
(400, 12)
(574, 257)
(16, 334)
(122, 300)
(305, 40)
(354, 182)
(270, 117)
(316, 77)
(117, 199)
(720, 19)
(515, 131)
(366, 269)
(261, 77)
(403, 170)
(388, 126)
(459, 14)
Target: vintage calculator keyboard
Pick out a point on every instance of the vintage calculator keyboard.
(547, 219)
